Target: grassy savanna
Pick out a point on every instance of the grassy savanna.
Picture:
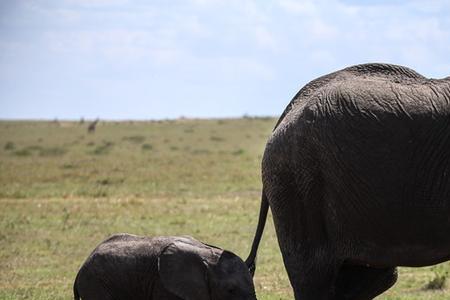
(62, 191)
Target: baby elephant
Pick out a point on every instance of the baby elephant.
(130, 267)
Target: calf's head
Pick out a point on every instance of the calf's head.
(195, 271)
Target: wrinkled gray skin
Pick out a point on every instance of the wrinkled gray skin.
(125, 267)
(357, 176)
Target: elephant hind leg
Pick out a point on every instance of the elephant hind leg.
(363, 283)
(312, 275)
(309, 260)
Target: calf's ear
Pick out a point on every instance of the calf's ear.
(183, 271)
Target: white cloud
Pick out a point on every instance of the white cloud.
(265, 38)
(117, 46)
(299, 7)
(98, 3)
(212, 44)
(323, 57)
(430, 6)
(328, 32)
(193, 25)
(321, 30)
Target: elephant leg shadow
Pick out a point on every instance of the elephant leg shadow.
(363, 283)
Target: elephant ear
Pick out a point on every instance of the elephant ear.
(183, 271)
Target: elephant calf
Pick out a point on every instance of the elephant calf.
(128, 267)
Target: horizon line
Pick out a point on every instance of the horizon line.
(245, 116)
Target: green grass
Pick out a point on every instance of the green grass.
(62, 191)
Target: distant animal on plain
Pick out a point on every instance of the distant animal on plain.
(126, 266)
(357, 176)
(92, 126)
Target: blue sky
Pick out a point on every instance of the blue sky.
(125, 59)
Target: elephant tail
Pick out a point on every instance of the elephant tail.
(251, 260)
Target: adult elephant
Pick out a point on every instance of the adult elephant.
(357, 176)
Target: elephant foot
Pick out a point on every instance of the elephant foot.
(363, 283)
